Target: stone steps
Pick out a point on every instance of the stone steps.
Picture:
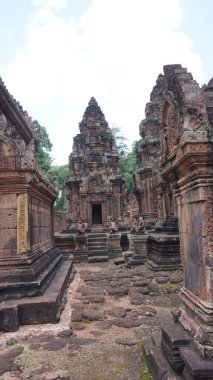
(156, 361)
(36, 287)
(97, 259)
(96, 243)
(97, 247)
(45, 308)
(103, 251)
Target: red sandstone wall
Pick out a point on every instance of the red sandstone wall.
(41, 229)
(59, 221)
(8, 224)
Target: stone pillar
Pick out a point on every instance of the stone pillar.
(114, 245)
(138, 246)
(22, 224)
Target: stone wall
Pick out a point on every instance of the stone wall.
(59, 221)
(8, 225)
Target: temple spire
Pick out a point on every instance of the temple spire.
(93, 102)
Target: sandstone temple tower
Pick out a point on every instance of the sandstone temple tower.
(95, 188)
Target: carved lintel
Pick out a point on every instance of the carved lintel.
(22, 224)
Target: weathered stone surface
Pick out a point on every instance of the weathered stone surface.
(119, 261)
(140, 283)
(176, 278)
(77, 315)
(153, 288)
(116, 312)
(7, 358)
(118, 292)
(128, 322)
(137, 299)
(126, 341)
(93, 315)
(161, 280)
(104, 325)
(78, 326)
(146, 309)
(96, 298)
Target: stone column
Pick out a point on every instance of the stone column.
(114, 245)
(194, 170)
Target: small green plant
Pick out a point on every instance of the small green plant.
(145, 374)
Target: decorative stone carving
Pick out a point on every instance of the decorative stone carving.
(22, 224)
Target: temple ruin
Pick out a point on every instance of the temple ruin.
(33, 276)
(95, 191)
(95, 188)
(173, 186)
(186, 141)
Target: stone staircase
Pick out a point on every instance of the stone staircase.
(97, 247)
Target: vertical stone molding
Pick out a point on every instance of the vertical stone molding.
(22, 224)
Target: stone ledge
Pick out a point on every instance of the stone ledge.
(196, 368)
(40, 309)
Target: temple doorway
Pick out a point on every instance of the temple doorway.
(97, 213)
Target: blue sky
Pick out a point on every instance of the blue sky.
(56, 54)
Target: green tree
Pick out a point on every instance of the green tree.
(121, 141)
(128, 165)
(128, 159)
(43, 146)
(59, 173)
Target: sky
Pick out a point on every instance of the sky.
(57, 54)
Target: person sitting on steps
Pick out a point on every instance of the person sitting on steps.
(113, 227)
(80, 227)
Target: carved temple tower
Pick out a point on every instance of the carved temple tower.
(95, 188)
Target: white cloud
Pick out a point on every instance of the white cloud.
(56, 4)
(113, 52)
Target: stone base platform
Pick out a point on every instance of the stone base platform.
(138, 246)
(45, 308)
(85, 246)
(157, 363)
(163, 252)
(170, 355)
(64, 241)
(195, 367)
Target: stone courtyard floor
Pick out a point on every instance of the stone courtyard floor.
(109, 309)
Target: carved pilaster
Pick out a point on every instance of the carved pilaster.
(22, 224)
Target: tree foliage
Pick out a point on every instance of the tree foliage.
(128, 164)
(59, 173)
(43, 146)
(128, 158)
(121, 141)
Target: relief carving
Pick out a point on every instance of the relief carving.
(22, 224)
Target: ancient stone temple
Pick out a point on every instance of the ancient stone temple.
(153, 189)
(33, 276)
(187, 144)
(95, 188)
(148, 154)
